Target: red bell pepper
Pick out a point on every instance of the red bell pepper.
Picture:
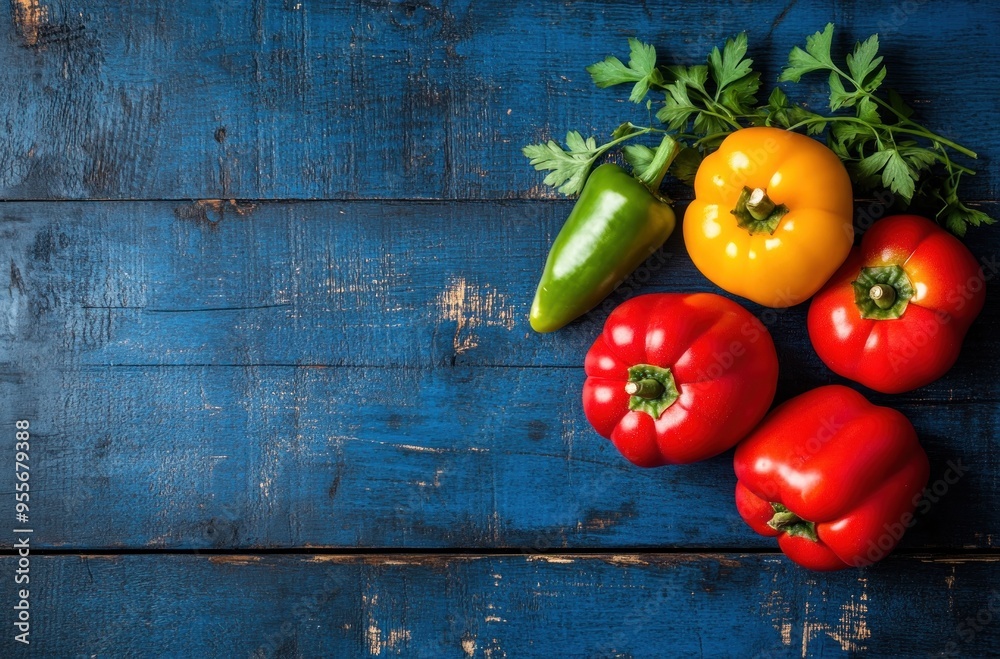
(894, 316)
(677, 378)
(834, 477)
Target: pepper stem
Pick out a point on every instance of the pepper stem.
(882, 292)
(663, 157)
(759, 205)
(756, 212)
(647, 388)
(883, 295)
(651, 389)
(788, 522)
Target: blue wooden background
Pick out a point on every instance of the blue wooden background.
(269, 272)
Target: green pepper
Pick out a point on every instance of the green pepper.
(615, 225)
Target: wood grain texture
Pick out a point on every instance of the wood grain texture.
(366, 284)
(387, 99)
(317, 341)
(652, 605)
(362, 375)
(277, 457)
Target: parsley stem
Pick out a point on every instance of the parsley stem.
(934, 138)
(624, 138)
(823, 120)
(943, 158)
(950, 164)
(728, 120)
(918, 130)
(902, 117)
(709, 138)
(713, 103)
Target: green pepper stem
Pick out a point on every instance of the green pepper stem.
(881, 292)
(651, 389)
(785, 521)
(781, 520)
(883, 295)
(756, 213)
(759, 205)
(674, 148)
(648, 388)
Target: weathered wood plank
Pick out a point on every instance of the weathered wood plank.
(278, 457)
(176, 355)
(447, 606)
(391, 99)
(353, 284)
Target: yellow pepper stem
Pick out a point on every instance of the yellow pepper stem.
(756, 213)
(759, 205)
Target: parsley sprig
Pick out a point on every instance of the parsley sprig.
(712, 108)
(568, 167)
(875, 135)
(641, 70)
(880, 142)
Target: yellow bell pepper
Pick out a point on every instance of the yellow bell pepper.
(772, 216)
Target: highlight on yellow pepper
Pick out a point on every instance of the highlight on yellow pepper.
(772, 216)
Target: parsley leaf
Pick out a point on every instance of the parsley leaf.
(864, 65)
(568, 170)
(678, 108)
(780, 112)
(736, 82)
(641, 70)
(918, 158)
(958, 216)
(868, 111)
(898, 176)
(889, 167)
(713, 109)
(899, 106)
(569, 167)
(815, 57)
(839, 97)
(729, 66)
